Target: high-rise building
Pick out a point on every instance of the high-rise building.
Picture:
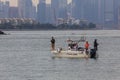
(118, 20)
(78, 6)
(63, 9)
(85, 9)
(48, 14)
(41, 11)
(101, 13)
(34, 15)
(54, 10)
(13, 12)
(25, 8)
(109, 11)
(4, 9)
(90, 10)
(21, 8)
(59, 9)
(116, 11)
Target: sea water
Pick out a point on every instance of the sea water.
(25, 55)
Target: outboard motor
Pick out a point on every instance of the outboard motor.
(92, 53)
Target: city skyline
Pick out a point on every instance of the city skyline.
(14, 2)
(58, 11)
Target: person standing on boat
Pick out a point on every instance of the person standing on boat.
(86, 45)
(53, 43)
(95, 44)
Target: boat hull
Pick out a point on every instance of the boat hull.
(70, 54)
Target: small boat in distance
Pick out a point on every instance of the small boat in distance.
(2, 33)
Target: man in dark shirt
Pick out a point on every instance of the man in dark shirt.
(95, 44)
(53, 43)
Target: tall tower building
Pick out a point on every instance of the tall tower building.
(59, 9)
(78, 8)
(85, 9)
(4, 9)
(116, 11)
(59, 6)
(41, 11)
(48, 14)
(13, 12)
(101, 13)
(90, 10)
(63, 9)
(109, 11)
(25, 8)
(54, 10)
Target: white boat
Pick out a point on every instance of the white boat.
(70, 54)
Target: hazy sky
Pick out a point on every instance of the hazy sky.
(14, 2)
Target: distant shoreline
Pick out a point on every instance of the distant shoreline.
(52, 29)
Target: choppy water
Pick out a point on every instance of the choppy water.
(25, 55)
